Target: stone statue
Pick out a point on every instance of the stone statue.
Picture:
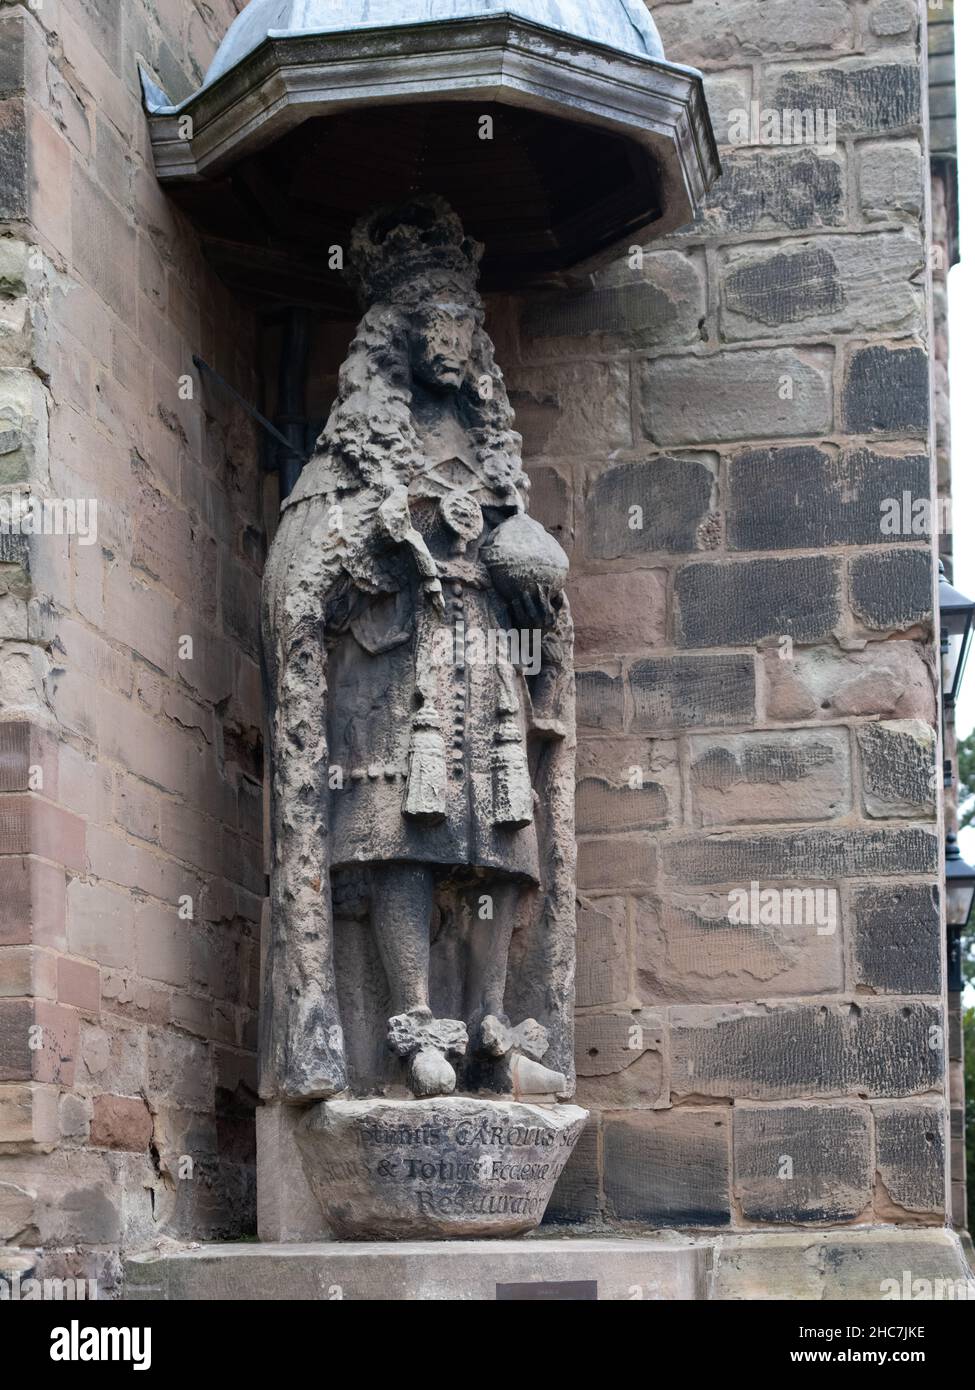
(418, 651)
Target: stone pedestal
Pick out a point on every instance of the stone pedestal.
(876, 1264)
(452, 1166)
(462, 1270)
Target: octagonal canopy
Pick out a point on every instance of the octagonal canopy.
(622, 24)
(555, 128)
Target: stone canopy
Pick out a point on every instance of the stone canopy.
(555, 128)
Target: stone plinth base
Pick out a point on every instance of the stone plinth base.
(450, 1166)
(879, 1264)
(458, 1270)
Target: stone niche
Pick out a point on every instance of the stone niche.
(416, 1033)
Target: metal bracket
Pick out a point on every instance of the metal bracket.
(252, 411)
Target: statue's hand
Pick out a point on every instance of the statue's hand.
(535, 607)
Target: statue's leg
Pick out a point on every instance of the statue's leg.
(505, 1055)
(302, 1049)
(402, 909)
(490, 941)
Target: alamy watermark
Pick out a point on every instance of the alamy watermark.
(756, 906)
(17, 1289)
(461, 645)
(756, 124)
(908, 515)
(926, 1290)
(24, 514)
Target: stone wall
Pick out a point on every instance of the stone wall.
(131, 875)
(712, 430)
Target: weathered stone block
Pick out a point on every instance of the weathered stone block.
(899, 768)
(95, 224)
(896, 941)
(890, 679)
(802, 1162)
(602, 967)
(791, 1050)
(13, 51)
(774, 190)
(682, 692)
(576, 1196)
(891, 178)
(842, 496)
(599, 700)
(619, 612)
(731, 28)
(893, 18)
(552, 503)
(609, 1043)
(720, 605)
(867, 97)
(638, 508)
(861, 1263)
(13, 159)
(661, 302)
(886, 391)
(910, 1142)
(890, 590)
(572, 408)
(769, 394)
(603, 807)
(28, 1118)
(797, 776)
(121, 1122)
(689, 950)
(830, 285)
(814, 854)
(616, 862)
(669, 1167)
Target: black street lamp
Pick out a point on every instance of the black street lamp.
(957, 620)
(959, 885)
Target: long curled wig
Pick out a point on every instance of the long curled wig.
(370, 435)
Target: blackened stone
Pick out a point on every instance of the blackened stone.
(728, 604)
(12, 49)
(815, 854)
(899, 761)
(866, 99)
(793, 189)
(801, 498)
(576, 1195)
(803, 1162)
(897, 939)
(886, 391)
(785, 288)
(683, 692)
(668, 1168)
(891, 589)
(911, 1155)
(13, 159)
(640, 507)
(599, 700)
(875, 1048)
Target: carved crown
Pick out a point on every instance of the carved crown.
(414, 253)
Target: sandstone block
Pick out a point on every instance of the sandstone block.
(669, 1167)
